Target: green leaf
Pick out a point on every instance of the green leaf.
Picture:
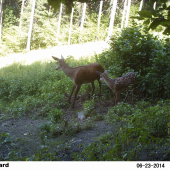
(165, 23)
(152, 1)
(155, 23)
(145, 14)
(54, 4)
(168, 8)
(139, 18)
(163, 1)
(146, 22)
(167, 31)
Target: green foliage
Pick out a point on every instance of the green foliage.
(155, 18)
(55, 115)
(14, 38)
(88, 107)
(143, 118)
(44, 153)
(36, 88)
(63, 127)
(135, 49)
(118, 112)
(9, 19)
(69, 4)
(105, 138)
(27, 87)
(144, 126)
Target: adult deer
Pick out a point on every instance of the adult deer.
(119, 84)
(80, 75)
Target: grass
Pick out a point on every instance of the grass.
(26, 87)
(38, 90)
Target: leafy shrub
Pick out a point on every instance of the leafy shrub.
(9, 19)
(119, 112)
(105, 138)
(135, 49)
(97, 152)
(88, 107)
(55, 115)
(46, 127)
(146, 127)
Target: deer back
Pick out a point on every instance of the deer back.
(86, 74)
(123, 83)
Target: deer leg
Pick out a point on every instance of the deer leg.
(77, 90)
(114, 99)
(72, 92)
(126, 95)
(93, 87)
(99, 86)
(117, 97)
(132, 96)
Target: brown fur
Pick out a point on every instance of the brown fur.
(120, 84)
(80, 75)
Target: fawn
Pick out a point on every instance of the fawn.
(119, 84)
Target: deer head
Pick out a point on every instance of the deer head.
(102, 75)
(59, 62)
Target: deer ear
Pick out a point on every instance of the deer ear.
(106, 71)
(97, 72)
(55, 58)
(62, 57)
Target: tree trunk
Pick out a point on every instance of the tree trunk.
(100, 12)
(141, 4)
(70, 26)
(59, 22)
(31, 23)
(112, 19)
(20, 23)
(1, 13)
(123, 16)
(154, 6)
(127, 15)
(83, 17)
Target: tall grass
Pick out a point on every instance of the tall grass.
(25, 88)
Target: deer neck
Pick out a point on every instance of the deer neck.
(110, 82)
(69, 71)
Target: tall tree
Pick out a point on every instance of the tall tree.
(83, 17)
(70, 26)
(154, 6)
(112, 19)
(59, 21)
(141, 4)
(123, 16)
(127, 15)
(100, 12)
(31, 24)
(22, 7)
(1, 13)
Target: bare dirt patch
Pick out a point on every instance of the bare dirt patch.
(26, 132)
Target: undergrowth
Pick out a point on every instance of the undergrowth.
(37, 87)
(142, 128)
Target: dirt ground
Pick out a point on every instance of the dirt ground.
(26, 134)
(26, 131)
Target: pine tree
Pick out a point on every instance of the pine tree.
(31, 23)
(1, 13)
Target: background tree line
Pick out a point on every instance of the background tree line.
(45, 23)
